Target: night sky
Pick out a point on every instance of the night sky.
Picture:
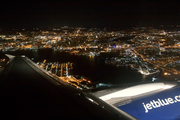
(86, 13)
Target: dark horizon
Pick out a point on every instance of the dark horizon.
(16, 14)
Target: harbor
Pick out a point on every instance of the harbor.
(61, 70)
(108, 69)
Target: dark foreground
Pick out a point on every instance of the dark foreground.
(26, 92)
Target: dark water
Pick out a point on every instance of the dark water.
(94, 69)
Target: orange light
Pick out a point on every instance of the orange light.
(165, 73)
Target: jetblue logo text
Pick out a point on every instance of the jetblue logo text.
(160, 102)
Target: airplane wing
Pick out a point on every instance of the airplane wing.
(164, 105)
(29, 92)
(146, 101)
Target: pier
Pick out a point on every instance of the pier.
(60, 70)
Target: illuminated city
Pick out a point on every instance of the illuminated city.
(148, 50)
(102, 60)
